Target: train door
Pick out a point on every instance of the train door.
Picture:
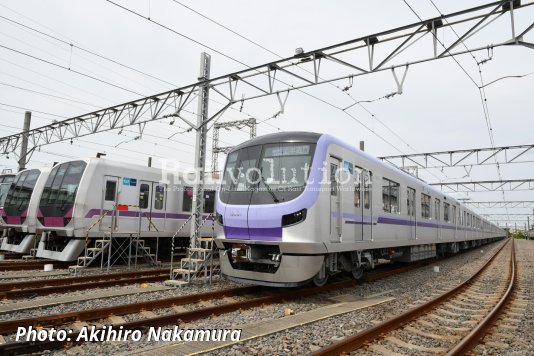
(335, 201)
(109, 202)
(410, 194)
(437, 210)
(145, 205)
(367, 205)
(359, 218)
(159, 207)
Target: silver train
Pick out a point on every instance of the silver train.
(88, 198)
(19, 216)
(297, 207)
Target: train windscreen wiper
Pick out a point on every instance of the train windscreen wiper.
(269, 189)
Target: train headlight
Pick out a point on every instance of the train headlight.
(294, 218)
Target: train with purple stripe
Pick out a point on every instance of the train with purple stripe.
(91, 197)
(19, 215)
(296, 207)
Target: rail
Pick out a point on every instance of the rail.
(367, 336)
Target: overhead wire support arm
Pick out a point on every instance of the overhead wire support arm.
(465, 157)
(276, 77)
(487, 185)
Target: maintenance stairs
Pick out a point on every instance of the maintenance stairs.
(132, 248)
(202, 262)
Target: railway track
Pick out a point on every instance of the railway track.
(21, 265)
(453, 322)
(23, 289)
(94, 315)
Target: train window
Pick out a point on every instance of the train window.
(12, 195)
(209, 201)
(159, 197)
(54, 190)
(454, 214)
(187, 201)
(111, 190)
(229, 173)
(69, 184)
(437, 210)
(333, 180)
(425, 206)
(358, 178)
(390, 196)
(410, 201)
(446, 212)
(367, 182)
(26, 188)
(144, 196)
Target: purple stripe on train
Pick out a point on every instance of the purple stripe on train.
(135, 214)
(254, 233)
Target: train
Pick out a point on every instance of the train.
(83, 201)
(298, 207)
(19, 216)
(5, 183)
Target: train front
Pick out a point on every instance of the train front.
(16, 215)
(267, 208)
(56, 218)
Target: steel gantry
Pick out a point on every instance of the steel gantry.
(347, 60)
(488, 185)
(464, 158)
(238, 124)
(500, 204)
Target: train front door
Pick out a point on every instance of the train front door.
(336, 217)
(145, 205)
(111, 196)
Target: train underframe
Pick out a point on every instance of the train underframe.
(267, 265)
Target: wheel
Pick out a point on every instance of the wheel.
(318, 281)
(358, 273)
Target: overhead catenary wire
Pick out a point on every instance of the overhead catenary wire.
(94, 53)
(246, 65)
(255, 43)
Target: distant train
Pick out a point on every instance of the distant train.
(297, 207)
(5, 183)
(19, 218)
(88, 198)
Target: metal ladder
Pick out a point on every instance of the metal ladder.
(92, 253)
(202, 260)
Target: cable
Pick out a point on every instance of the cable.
(178, 33)
(309, 72)
(228, 29)
(437, 39)
(246, 65)
(44, 94)
(72, 45)
(32, 110)
(69, 69)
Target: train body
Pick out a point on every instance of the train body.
(297, 207)
(85, 199)
(19, 217)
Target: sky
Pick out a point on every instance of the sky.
(440, 107)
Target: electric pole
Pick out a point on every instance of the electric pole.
(200, 146)
(24, 144)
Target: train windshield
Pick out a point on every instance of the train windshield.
(20, 192)
(266, 174)
(4, 188)
(61, 187)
